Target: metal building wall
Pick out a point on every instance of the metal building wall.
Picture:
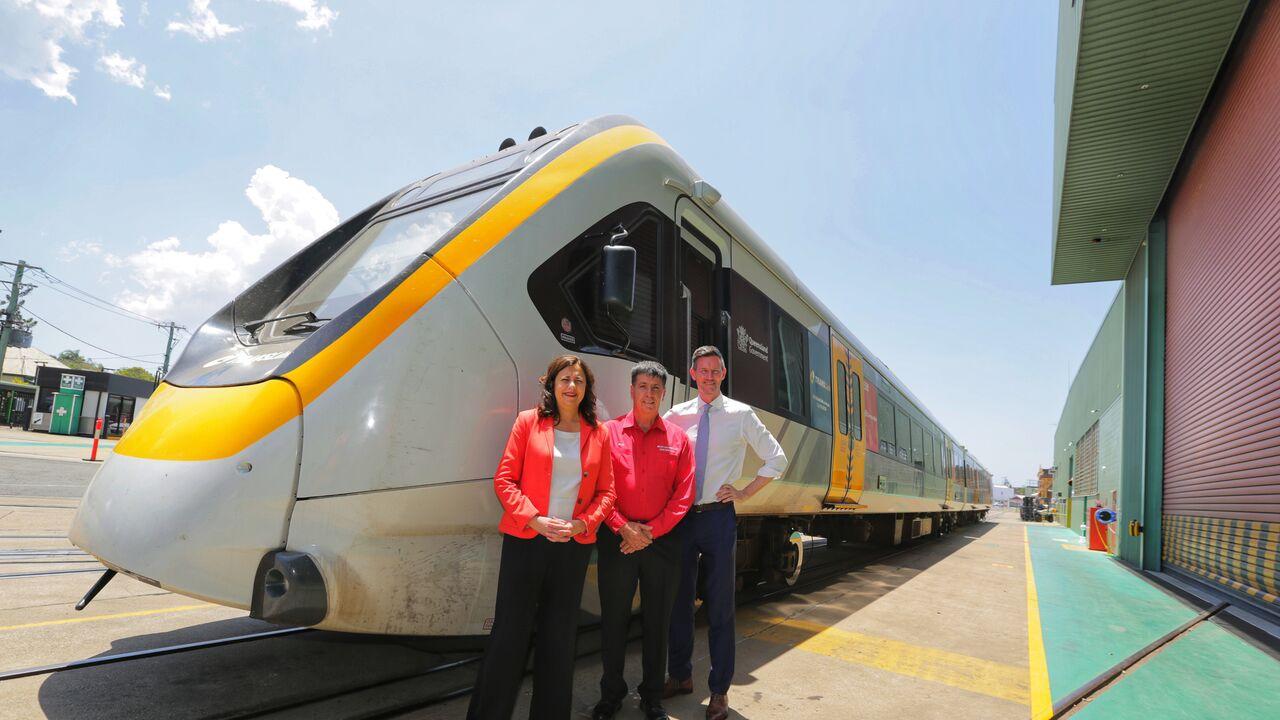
(1095, 389)
(1221, 468)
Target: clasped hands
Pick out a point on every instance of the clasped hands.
(635, 537)
(557, 530)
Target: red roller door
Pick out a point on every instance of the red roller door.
(1222, 353)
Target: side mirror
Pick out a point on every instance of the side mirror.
(619, 283)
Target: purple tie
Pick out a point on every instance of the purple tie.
(700, 450)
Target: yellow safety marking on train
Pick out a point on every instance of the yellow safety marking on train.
(1041, 699)
(212, 423)
(986, 677)
(179, 423)
(113, 616)
(317, 374)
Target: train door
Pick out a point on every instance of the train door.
(848, 454)
(702, 256)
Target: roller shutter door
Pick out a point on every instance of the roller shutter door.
(1222, 354)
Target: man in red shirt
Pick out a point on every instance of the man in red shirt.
(640, 541)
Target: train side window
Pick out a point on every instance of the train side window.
(903, 422)
(885, 413)
(842, 395)
(928, 453)
(855, 390)
(790, 381)
(566, 288)
(917, 445)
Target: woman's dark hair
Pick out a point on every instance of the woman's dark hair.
(547, 405)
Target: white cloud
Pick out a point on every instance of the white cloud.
(203, 25)
(124, 70)
(169, 277)
(314, 15)
(77, 249)
(33, 34)
(162, 92)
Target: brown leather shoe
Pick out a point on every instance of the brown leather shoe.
(676, 687)
(718, 708)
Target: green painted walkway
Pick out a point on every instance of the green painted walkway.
(1095, 613)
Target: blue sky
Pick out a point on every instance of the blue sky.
(898, 155)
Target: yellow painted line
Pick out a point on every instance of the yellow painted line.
(1041, 699)
(1069, 546)
(987, 677)
(113, 616)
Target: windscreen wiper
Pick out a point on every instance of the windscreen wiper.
(309, 318)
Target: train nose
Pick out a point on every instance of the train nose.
(198, 490)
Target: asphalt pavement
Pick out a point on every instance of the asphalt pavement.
(36, 477)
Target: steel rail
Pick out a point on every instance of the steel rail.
(43, 573)
(150, 653)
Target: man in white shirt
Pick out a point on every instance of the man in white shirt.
(721, 430)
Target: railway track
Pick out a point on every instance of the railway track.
(826, 566)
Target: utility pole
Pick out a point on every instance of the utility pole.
(168, 346)
(11, 311)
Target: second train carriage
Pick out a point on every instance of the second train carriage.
(322, 452)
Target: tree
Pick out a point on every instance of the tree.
(137, 372)
(74, 360)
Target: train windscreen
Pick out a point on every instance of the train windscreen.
(374, 256)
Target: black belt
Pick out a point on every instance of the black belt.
(710, 506)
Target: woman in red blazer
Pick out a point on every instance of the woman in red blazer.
(555, 483)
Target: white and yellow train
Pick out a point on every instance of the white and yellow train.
(322, 452)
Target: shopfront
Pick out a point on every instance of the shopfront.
(70, 402)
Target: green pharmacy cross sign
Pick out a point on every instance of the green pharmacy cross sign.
(66, 405)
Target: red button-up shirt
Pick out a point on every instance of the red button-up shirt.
(652, 474)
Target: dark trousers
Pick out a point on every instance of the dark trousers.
(713, 536)
(539, 588)
(656, 569)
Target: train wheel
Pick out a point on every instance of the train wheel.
(795, 549)
(784, 554)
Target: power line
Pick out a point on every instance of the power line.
(86, 342)
(135, 315)
(49, 286)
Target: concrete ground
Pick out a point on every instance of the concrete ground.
(49, 477)
(1094, 613)
(22, 443)
(997, 620)
(937, 632)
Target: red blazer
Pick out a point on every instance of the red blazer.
(523, 478)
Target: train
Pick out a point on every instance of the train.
(322, 452)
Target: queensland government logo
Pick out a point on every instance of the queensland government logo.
(751, 346)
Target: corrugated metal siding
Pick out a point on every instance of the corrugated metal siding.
(1086, 479)
(1109, 444)
(1140, 73)
(1222, 353)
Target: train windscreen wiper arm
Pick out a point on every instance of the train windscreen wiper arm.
(253, 325)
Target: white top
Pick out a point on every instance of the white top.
(734, 428)
(566, 475)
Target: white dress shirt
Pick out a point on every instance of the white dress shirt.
(734, 427)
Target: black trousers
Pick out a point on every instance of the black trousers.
(656, 569)
(539, 588)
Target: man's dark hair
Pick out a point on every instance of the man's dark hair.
(648, 367)
(704, 351)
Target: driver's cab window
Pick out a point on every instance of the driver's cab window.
(566, 288)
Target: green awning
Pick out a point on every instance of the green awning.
(1132, 76)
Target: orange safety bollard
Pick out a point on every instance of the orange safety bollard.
(1097, 530)
(97, 432)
